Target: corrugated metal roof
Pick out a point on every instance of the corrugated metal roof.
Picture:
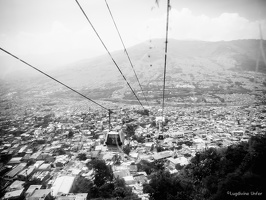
(62, 185)
(16, 170)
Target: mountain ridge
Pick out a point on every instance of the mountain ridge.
(197, 65)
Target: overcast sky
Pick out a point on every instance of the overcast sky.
(55, 32)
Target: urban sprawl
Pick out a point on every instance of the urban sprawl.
(47, 147)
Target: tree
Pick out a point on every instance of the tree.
(60, 151)
(5, 158)
(82, 185)
(153, 124)
(139, 139)
(41, 141)
(70, 134)
(103, 173)
(149, 168)
(30, 162)
(152, 148)
(130, 130)
(164, 185)
(121, 190)
(159, 165)
(159, 148)
(126, 149)
(117, 159)
(145, 166)
(82, 156)
(106, 190)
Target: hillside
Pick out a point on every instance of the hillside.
(148, 60)
(194, 69)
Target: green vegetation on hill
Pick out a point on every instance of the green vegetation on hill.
(227, 173)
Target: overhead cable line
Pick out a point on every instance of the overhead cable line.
(261, 45)
(109, 53)
(54, 79)
(260, 51)
(126, 51)
(165, 54)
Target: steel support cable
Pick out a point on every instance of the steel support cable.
(126, 51)
(109, 53)
(165, 54)
(53, 78)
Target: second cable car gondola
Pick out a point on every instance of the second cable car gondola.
(160, 137)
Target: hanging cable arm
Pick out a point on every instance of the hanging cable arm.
(53, 78)
(109, 53)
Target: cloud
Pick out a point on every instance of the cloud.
(80, 43)
(59, 40)
(184, 25)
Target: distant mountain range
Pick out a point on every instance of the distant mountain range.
(187, 57)
(187, 62)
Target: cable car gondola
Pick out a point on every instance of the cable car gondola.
(160, 137)
(114, 139)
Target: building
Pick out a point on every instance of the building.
(62, 185)
(31, 189)
(39, 194)
(13, 194)
(78, 196)
(16, 170)
(24, 174)
(162, 155)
